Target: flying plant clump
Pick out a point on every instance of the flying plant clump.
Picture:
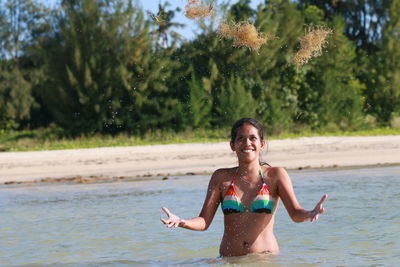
(194, 10)
(311, 45)
(243, 33)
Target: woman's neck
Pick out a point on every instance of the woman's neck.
(249, 171)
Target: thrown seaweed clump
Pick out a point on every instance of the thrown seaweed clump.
(243, 33)
(194, 10)
(311, 45)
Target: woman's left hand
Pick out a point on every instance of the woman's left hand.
(173, 221)
(318, 209)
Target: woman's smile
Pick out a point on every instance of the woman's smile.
(247, 141)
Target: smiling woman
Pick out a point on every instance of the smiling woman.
(249, 195)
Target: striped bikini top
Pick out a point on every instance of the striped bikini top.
(262, 203)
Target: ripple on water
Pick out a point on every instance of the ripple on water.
(118, 224)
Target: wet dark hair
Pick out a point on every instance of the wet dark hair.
(256, 124)
(244, 121)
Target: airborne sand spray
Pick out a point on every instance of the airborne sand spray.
(243, 33)
(311, 44)
(194, 9)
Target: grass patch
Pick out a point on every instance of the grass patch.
(308, 133)
(53, 139)
(50, 139)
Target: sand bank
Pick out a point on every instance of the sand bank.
(118, 163)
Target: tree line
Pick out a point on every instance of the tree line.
(107, 66)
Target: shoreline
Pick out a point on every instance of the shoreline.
(103, 179)
(114, 164)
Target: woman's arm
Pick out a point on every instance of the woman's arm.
(203, 221)
(286, 193)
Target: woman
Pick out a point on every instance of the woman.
(249, 195)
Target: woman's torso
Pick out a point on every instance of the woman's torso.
(248, 232)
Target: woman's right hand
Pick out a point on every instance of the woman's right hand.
(318, 209)
(173, 221)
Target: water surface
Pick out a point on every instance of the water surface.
(117, 224)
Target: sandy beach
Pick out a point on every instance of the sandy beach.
(119, 163)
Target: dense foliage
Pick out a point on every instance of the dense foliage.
(106, 66)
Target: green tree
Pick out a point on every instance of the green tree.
(364, 20)
(153, 101)
(276, 80)
(199, 103)
(15, 98)
(332, 95)
(241, 11)
(257, 73)
(19, 19)
(85, 74)
(383, 90)
(234, 102)
(210, 60)
(164, 25)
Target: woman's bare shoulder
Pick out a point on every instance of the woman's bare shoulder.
(223, 174)
(277, 176)
(224, 171)
(275, 172)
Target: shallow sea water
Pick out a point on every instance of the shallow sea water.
(118, 224)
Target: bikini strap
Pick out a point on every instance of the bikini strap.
(234, 176)
(262, 176)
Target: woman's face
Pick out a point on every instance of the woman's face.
(247, 143)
